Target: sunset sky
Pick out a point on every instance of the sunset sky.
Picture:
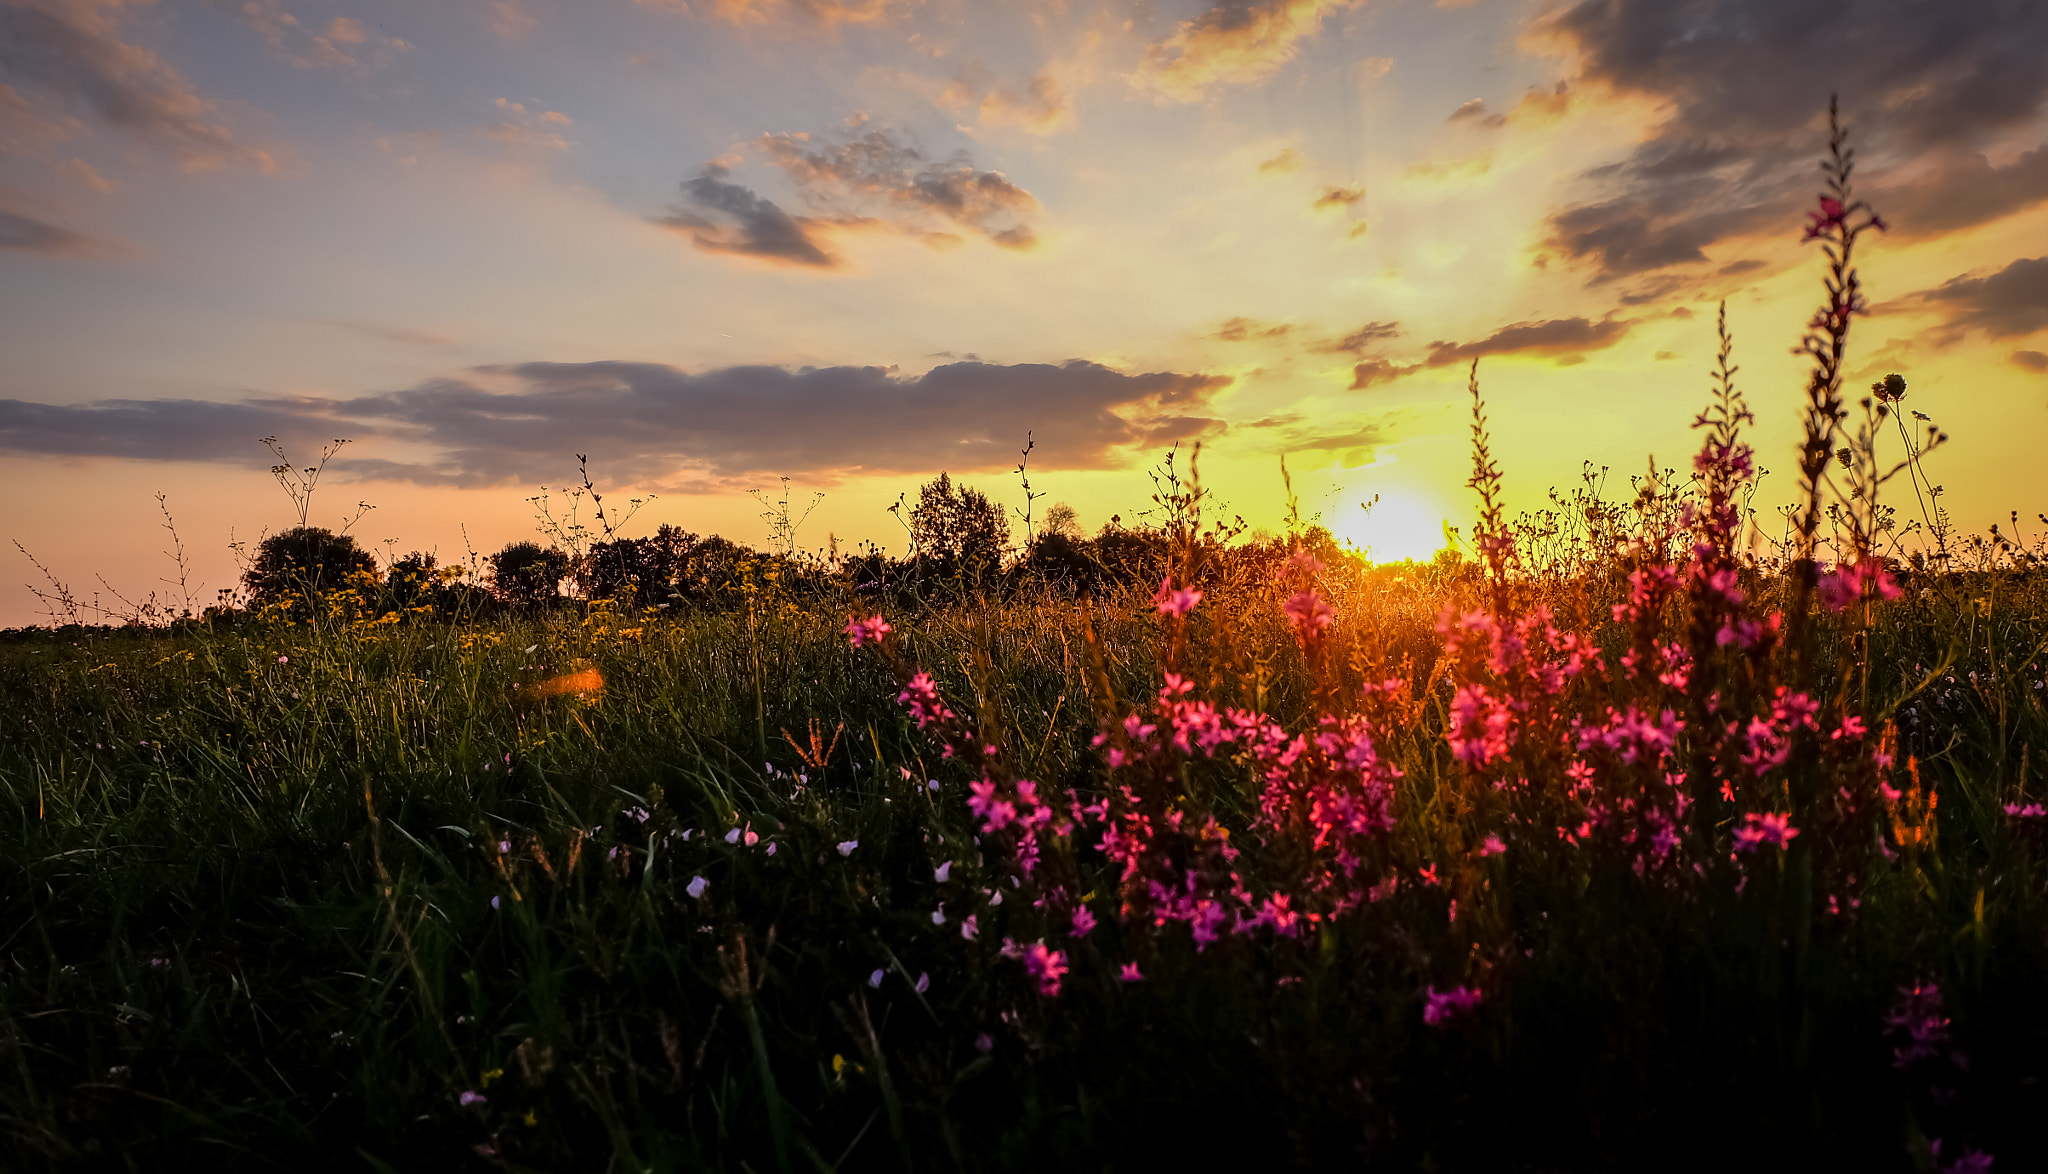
(715, 243)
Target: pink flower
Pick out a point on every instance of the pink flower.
(969, 928)
(1830, 218)
(1448, 1006)
(1309, 612)
(1047, 966)
(1175, 603)
(1084, 922)
(1492, 846)
(1130, 973)
(1772, 829)
(2029, 811)
(471, 1097)
(859, 632)
(846, 847)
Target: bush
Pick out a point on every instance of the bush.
(528, 575)
(304, 561)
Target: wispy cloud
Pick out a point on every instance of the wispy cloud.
(29, 235)
(67, 56)
(723, 217)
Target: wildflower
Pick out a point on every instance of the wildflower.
(970, 929)
(696, 887)
(1084, 922)
(923, 983)
(1309, 612)
(733, 836)
(471, 1097)
(2028, 811)
(771, 848)
(1047, 966)
(1444, 1007)
(1175, 603)
(1130, 973)
(751, 837)
(859, 632)
(846, 847)
(942, 872)
(494, 903)
(984, 1043)
(1492, 847)
(1772, 829)
(1917, 1014)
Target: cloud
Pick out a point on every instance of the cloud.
(1965, 190)
(651, 422)
(1555, 336)
(67, 54)
(1238, 42)
(26, 235)
(509, 19)
(534, 130)
(344, 44)
(2031, 360)
(1474, 166)
(1476, 112)
(1042, 107)
(875, 174)
(168, 429)
(745, 225)
(1246, 329)
(1287, 162)
(2006, 304)
(1739, 85)
(1338, 197)
(1376, 371)
(1359, 340)
(827, 15)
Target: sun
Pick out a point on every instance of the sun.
(1399, 526)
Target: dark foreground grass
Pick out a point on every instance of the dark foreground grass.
(362, 895)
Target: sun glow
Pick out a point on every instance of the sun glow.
(1399, 526)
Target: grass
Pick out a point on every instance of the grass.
(1617, 848)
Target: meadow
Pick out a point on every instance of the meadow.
(1654, 834)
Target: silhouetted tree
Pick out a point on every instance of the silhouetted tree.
(526, 574)
(957, 528)
(302, 561)
(412, 581)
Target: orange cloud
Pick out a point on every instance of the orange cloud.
(1239, 42)
(819, 14)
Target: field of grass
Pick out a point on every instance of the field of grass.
(1627, 844)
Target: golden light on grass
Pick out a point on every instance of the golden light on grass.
(1400, 525)
(587, 680)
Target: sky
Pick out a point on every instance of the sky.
(716, 244)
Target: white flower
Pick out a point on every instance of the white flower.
(697, 886)
(939, 915)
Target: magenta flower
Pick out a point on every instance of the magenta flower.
(1175, 603)
(1084, 922)
(471, 1097)
(846, 847)
(1492, 847)
(1047, 966)
(1771, 828)
(2026, 811)
(1130, 973)
(1309, 612)
(943, 871)
(1443, 1007)
(872, 629)
(969, 928)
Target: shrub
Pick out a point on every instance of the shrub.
(528, 575)
(305, 560)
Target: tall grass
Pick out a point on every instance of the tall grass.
(715, 888)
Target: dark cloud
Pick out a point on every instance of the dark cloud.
(169, 429)
(1743, 82)
(1359, 340)
(67, 53)
(653, 423)
(1366, 374)
(875, 174)
(744, 224)
(1557, 336)
(34, 236)
(1246, 329)
(2031, 360)
(2006, 304)
(1966, 190)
